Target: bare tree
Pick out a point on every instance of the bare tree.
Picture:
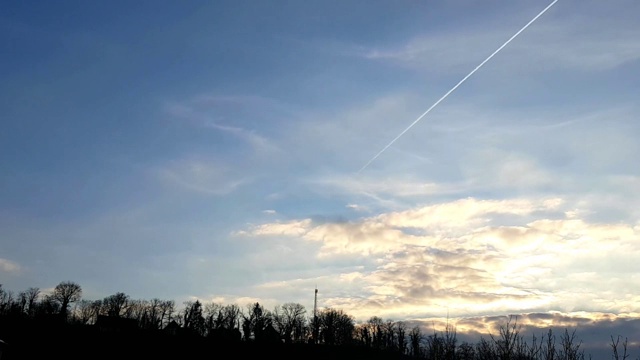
(167, 308)
(571, 348)
(289, 319)
(508, 344)
(485, 350)
(115, 305)
(213, 316)
(336, 327)
(377, 334)
(442, 345)
(151, 316)
(21, 303)
(4, 300)
(401, 337)
(534, 351)
(549, 347)
(7, 302)
(137, 310)
(66, 293)
(192, 317)
(415, 340)
(466, 351)
(32, 298)
(388, 329)
(47, 306)
(84, 312)
(614, 347)
(231, 314)
(362, 334)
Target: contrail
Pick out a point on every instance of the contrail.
(457, 85)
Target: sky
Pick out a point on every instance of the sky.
(212, 150)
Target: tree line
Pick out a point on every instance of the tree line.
(288, 323)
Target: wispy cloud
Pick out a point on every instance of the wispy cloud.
(227, 113)
(292, 228)
(259, 143)
(9, 266)
(356, 207)
(391, 186)
(205, 176)
(578, 44)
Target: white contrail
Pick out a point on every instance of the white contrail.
(457, 85)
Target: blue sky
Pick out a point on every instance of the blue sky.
(211, 150)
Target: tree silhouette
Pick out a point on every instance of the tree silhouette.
(114, 305)
(258, 324)
(193, 320)
(290, 321)
(401, 337)
(47, 306)
(375, 329)
(84, 312)
(336, 327)
(150, 317)
(29, 324)
(231, 315)
(415, 341)
(389, 335)
(32, 294)
(66, 293)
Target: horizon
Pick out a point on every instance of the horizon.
(212, 151)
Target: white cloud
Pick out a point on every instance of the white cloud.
(478, 257)
(356, 207)
(464, 213)
(9, 266)
(292, 228)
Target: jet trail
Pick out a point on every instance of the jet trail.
(457, 85)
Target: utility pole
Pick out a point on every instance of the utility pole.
(315, 317)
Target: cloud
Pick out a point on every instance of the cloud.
(358, 208)
(9, 266)
(507, 198)
(419, 226)
(259, 143)
(502, 169)
(593, 330)
(392, 187)
(292, 228)
(577, 43)
(474, 256)
(463, 150)
(340, 137)
(204, 176)
(465, 213)
(242, 301)
(227, 114)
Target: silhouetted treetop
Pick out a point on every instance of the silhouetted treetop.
(66, 293)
